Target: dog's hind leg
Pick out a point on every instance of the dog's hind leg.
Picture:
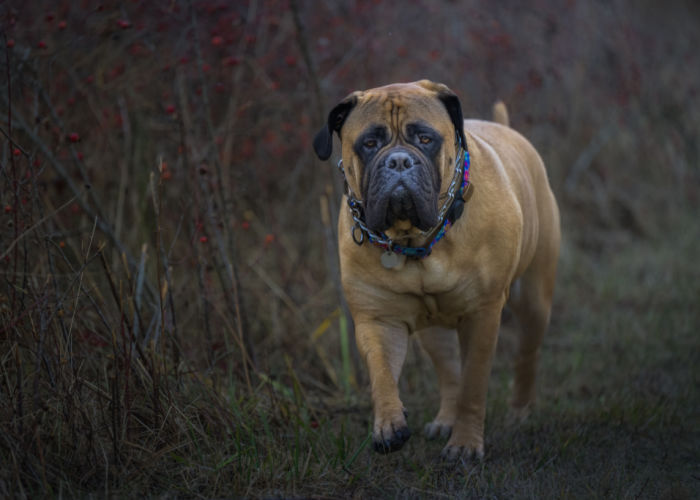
(531, 301)
(443, 348)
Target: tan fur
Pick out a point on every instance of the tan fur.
(500, 113)
(509, 231)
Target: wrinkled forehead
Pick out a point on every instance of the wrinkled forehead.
(396, 106)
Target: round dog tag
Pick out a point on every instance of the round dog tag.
(389, 259)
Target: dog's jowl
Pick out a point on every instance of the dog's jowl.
(445, 220)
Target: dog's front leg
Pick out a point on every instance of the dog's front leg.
(478, 334)
(384, 348)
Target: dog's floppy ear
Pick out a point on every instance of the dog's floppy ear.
(451, 103)
(323, 142)
(454, 109)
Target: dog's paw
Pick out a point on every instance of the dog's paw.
(456, 450)
(437, 429)
(391, 434)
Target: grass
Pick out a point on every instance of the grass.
(616, 417)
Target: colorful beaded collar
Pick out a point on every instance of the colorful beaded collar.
(457, 194)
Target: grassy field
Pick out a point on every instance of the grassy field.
(617, 414)
(170, 317)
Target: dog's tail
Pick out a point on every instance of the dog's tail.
(500, 113)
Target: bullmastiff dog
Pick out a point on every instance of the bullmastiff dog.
(448, 220)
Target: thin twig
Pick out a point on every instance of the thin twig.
(34, 226)
(77, 295)
(308, 60)
(586, 157)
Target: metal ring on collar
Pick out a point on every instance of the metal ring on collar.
(361, 239)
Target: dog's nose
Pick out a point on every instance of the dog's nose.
(399, 161)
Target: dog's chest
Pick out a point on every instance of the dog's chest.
(437, 312)
(440, 296)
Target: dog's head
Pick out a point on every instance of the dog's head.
(399, 148)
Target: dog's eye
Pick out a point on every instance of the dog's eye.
(424, 139)
(370, 143)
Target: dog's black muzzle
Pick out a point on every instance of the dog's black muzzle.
(401, 185)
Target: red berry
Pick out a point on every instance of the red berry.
(10, 43)
(8, 209)
(217, 41)
(62, 25)
(232, 61)
(49, 18)
(124, 24)
(73, 137)
(203, 239)
(16, 152)
(170, 109)
(269, 238)
(245, 224)
(291, 61)
(80, 156)
(42, 45)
